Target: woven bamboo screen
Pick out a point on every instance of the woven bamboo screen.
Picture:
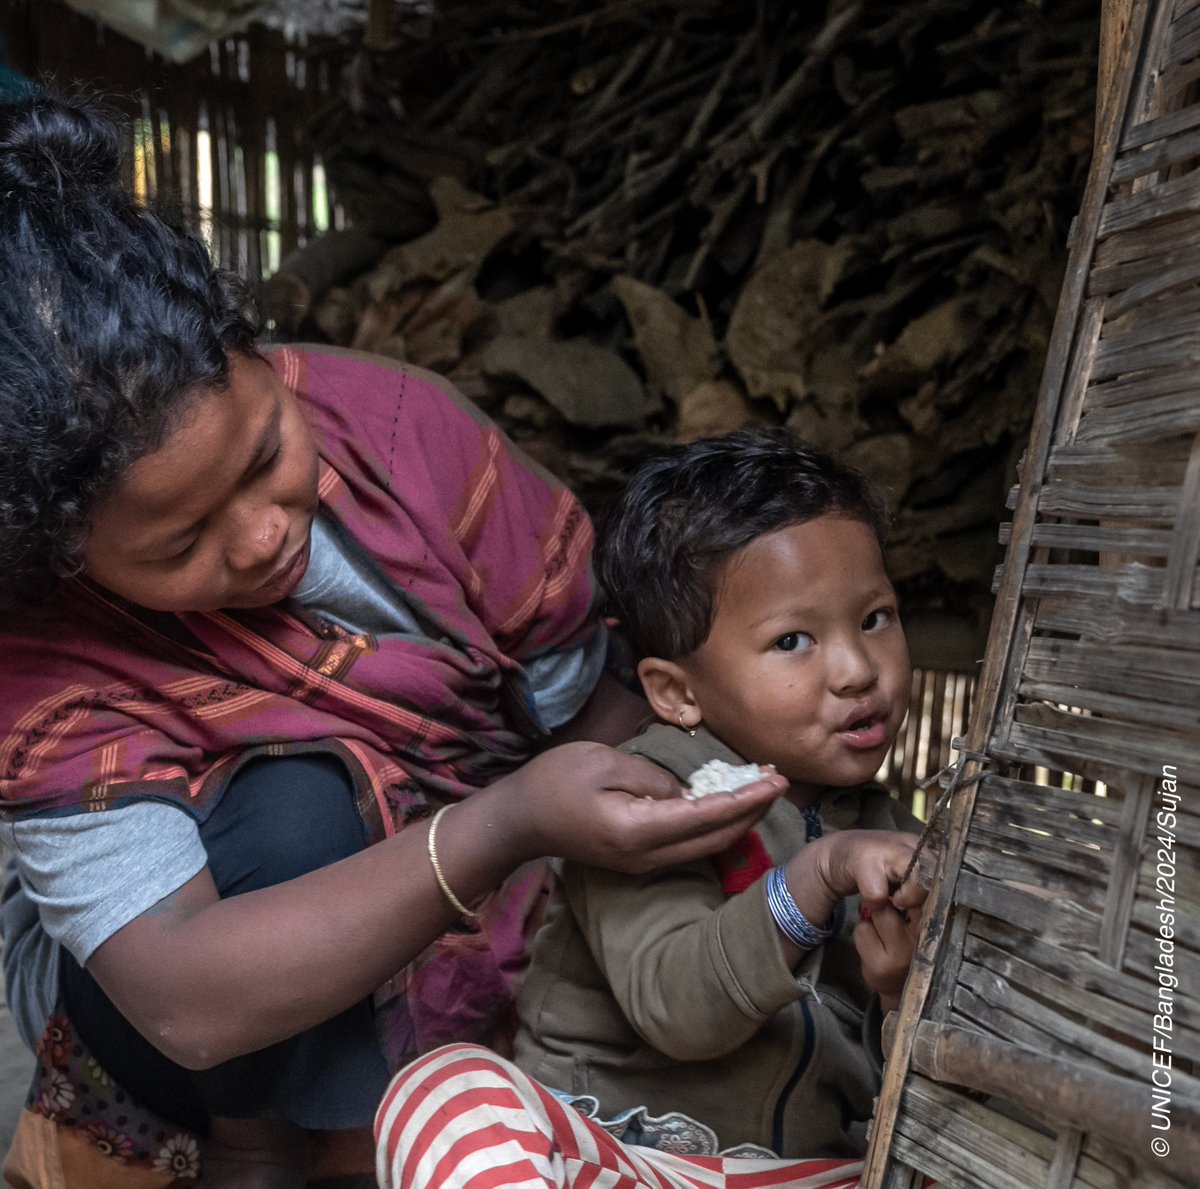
(1051, 1026)
(225, 136)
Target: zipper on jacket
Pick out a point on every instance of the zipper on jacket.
(805, 1058)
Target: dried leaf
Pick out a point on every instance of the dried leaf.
(834, 432)
(531, 314)
(587, 384)
(712, 408)
(467, 232)
(773, 328)
(888, 459)
(337, 315)
(435, 330)
(677, 350)
(927, 343)
(530, 410)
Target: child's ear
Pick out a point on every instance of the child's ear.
(669, 692)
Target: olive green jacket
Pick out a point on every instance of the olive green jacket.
(662, 991)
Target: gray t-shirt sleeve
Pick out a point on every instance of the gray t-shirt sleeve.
(76, 880)
(88, 874)
(30, 961)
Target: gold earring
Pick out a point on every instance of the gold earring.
(682, 727)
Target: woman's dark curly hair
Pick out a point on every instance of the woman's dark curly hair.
(112, 320)
(687, 511)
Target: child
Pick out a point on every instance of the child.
(720, 1007)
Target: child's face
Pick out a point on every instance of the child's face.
(220, 515)
(806, 666)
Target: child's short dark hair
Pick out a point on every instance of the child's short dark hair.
(685, 512)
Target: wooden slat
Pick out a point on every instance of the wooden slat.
(1104, 618)
(1085, 984)
(1176, 703)
(1040, 746)
(1055, 920)
(1070, 1093)
(1133, 583)
(1129, 390)
(1093, 539)
(1061, 1173)
(1060, 808)
(1092, 500)
(1082, 1025)
(1133, 668)
(1101, 739)
(1128, 353)
(1161, 418)
(1153, 318)
(985, 856)
(1185, 26)
(1180, 583)
(1161, 128)
(1137, 249)
(1142, 955)
(964, 1143)
(1102, 1166)
(1170, 200)
(1157, 156)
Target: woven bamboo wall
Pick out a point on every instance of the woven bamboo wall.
(939, 706)
(1061, 944)
(224, 136)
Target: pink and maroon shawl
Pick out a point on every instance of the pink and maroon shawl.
(103, 701)
(108, 701)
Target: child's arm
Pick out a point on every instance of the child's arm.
(696, 973)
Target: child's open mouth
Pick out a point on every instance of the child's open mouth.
(865, 733)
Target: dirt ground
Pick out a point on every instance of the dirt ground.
(16, 1070)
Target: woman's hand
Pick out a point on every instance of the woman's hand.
(589, 803)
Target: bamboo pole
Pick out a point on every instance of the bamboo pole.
(1066, 1093)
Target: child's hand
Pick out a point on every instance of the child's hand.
(871, 863)
(885, 941)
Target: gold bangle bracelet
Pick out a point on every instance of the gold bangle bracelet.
(431, 847)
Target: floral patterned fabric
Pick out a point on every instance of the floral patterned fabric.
(71, 1090)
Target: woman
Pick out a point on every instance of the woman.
(264, 612)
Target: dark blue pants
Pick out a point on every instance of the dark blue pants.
(280, 818)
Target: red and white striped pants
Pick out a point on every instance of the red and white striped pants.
(463, 1118)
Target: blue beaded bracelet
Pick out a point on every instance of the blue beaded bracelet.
(789, 918)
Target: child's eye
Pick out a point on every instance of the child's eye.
(878, 619)
(793, 642)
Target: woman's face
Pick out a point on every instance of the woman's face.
(220, 515)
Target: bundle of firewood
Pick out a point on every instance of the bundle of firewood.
(622, 222)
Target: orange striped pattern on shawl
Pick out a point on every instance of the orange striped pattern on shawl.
(105, 701)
